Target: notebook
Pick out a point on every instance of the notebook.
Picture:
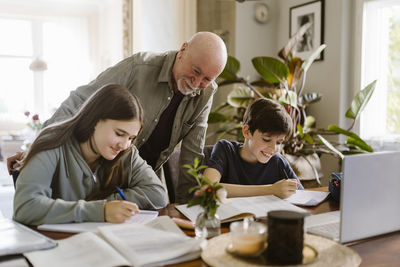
(369, 201)
(17, 238)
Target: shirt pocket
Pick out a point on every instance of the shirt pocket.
(187, 126)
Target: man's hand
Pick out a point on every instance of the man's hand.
(12, 162)
(118, 211)
(285, 188)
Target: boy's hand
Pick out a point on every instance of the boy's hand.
(118, 211)
(285, 188)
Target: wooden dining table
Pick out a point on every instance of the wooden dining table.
(383, 250)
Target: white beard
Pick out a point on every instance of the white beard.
(189, 89)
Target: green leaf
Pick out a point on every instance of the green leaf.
(359, 143)
(231, 68)
(330, 146)
(240, 97)
(216, 117)
(227, 82)
(360, 101)
(309, 139)
(196, 162)
(300, 130)
(337, 129)
(271, 69)
(187, 166)
(307, 63)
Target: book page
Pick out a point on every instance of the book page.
(85, 249)
(165, 223)
(307, 197)
(146, 246)
(143, 217)
(257, 206)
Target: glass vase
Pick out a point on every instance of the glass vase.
(207, 226)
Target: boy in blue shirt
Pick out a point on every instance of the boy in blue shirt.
(256, 167)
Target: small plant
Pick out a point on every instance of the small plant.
(35, 123)
(206, 194)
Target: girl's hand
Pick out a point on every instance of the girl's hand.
(285, 188)
(118, 211)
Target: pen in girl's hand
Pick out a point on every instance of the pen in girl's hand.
(120, 192)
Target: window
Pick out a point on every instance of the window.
(380, 122)
(63, 43)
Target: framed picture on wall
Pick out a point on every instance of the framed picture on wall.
(299, 15)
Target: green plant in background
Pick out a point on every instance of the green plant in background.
(283, 79)
(206, 194)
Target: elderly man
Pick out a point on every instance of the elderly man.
(176, 90)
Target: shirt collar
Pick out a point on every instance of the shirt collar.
(166, 69)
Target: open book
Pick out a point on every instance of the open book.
(143, 217)
(241, 207)
(159, 242)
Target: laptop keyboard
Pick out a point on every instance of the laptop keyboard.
(329, 230)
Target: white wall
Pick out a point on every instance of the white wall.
(254, 39)
(333, 76)
(162, 25)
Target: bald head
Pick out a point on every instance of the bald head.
(210, 45)
(199, 62)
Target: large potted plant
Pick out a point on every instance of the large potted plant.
(283, 79)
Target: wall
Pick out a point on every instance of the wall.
(255, 39)
(333, 76)
(162, 25)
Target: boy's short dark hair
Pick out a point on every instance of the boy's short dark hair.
(268, 116)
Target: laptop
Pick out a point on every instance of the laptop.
(369, 201)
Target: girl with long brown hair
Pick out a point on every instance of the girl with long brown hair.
(70, 172)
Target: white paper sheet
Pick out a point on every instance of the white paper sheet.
(307, 197)
(143, 217)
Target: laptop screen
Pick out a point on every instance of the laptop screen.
(370, 197)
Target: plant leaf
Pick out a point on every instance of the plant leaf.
(271, 69)
(310, 98)
(359, 143)
(330, 146)
(309, 122)
(216, 117)
(231, 68)
(300, 130)
(309, 139)
(287, 49)
(360, 101)
(307, 63)
(337, 129)
(290, 98)
(240, 97)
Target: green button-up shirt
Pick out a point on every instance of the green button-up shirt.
(149, 77)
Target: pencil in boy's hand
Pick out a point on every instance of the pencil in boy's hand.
(286, 176)
(119, 191)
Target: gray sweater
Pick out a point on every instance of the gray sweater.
(53, 186)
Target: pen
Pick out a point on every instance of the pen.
(120, 192)
(286, 176)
